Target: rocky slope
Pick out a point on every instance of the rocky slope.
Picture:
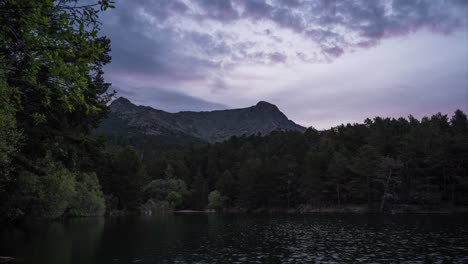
(212, 126)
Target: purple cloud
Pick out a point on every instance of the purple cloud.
(198, 48)
(335, 27)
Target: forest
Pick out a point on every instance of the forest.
(380, 163)
(52, 164)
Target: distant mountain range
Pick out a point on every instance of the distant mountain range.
(213, 126)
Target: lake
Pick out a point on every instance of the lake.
(241, 238)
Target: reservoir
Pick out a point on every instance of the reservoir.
(240, 238)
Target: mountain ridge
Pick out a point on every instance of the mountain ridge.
(209, 126)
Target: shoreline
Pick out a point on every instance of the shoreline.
(348, 209)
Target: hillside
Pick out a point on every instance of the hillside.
(213, 126)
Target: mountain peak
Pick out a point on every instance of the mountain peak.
(122, 101)
(214, 126)
(121, 104)
(266, 106)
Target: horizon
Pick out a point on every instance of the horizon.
(322, 63)
(449, 115)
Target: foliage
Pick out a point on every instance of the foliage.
(174, 199)
(226, 184)
(89, 199)
(56, 192)
(216, 200)
(54, 47)
(365, 165)
(337, 173)
(52, 94)
(124, 178)
(159, 189)
(388, 177)
(53, 57)
(170, 190)
(10, 135)
(48, 195)
(169, 172)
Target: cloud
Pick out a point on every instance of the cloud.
(195, 46)
(217, 9)
(257, 9)
(204, 28)
(277, 57)
(156, 52)
(165, 99)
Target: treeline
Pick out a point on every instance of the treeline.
(378, 164)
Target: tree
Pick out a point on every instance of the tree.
(314, 179)
(174, 199)
(365, 164)
(337, 172)
(53, 57)
(51, 65)
(287, 178)
(48, 195)
(126, 180)
(388, 178)
(10, 135)
(161, 189)
(216, 200)
(169, 172)
(54, 47)
(457, 167)
(459, 122)
(199, 190)
(248, 176)
(89, 199)
(226, 185)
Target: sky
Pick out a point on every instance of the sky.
(322, 62)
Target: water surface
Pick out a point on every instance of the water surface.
(213, 238)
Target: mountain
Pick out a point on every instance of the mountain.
(213, 126)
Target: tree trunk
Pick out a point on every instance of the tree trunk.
(382, 203)
(368, 191)
(386, 186)
(453, 192)
(407, 177)
(338, 194)
(289, 193)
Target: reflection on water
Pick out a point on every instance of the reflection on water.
(211, 238)
(56, 242)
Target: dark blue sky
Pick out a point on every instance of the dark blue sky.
(322, 62)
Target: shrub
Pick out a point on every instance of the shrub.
(89, 200)
(216, 200)
(174, 199)
(48, 195)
